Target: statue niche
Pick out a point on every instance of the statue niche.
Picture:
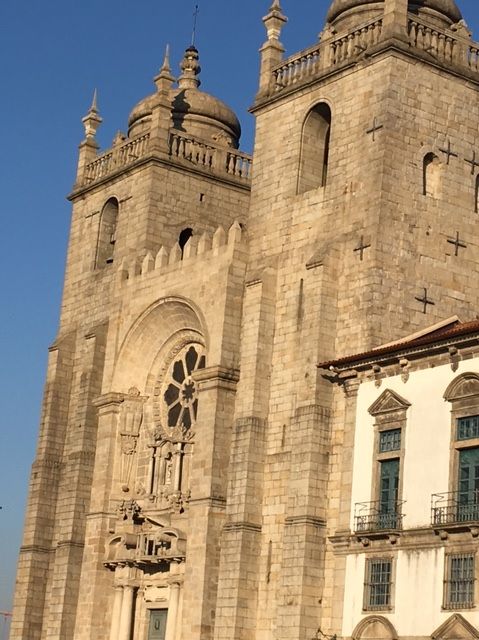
(173, 436)
(131, 419)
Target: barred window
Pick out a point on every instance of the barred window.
(468, 428)
(377, 588)
(390, 440)
(459, 581)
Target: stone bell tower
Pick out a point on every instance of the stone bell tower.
(363, 229)
(125, 487)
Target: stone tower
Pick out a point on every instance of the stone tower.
(184, 483)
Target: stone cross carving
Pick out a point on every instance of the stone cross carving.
(449, 152)
(473, 162)
(458, 244)
(374, 128)
(361, 248)
(425, 300)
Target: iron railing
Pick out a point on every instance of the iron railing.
(378, 516)
(455, 507)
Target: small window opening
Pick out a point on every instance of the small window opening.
(202, 197)
(183, 238)
(476, 196)
(107, 233)
(315, 143)
(431, 175)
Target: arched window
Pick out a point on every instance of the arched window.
(107, 234)
(431, 180)
(313, 169)
(183, 238)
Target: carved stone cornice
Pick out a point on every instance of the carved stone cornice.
(242, 526)
(305, 519)
(111, 399)
(217, 377)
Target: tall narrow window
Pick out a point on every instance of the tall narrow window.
(431, 175)
(378, 584)
(107, 234)
(388, 493)
(459, 581)
(468, 485)
(476, 196)
(313, 169)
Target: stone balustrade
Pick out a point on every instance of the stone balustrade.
(473, 57)
(239, 164)
(439, 44)
(182, 148)
(218, 159)
(188, 148)
(446, 46)
(354, 43)
(116, 158)
(297, 68)
(308, 63)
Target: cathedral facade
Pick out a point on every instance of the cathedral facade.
(261, 412)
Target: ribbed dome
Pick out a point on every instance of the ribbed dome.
(193, 111)
(445, 11)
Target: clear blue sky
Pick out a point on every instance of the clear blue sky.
(52, 54)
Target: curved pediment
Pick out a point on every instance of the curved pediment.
(455, 628)
(464, 386)
(387, 402)
(375, 627)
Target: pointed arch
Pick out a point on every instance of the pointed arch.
(169, 321)
(107, 233)
(315, 140)
(464, 386)
(431, 175)
(374, 627)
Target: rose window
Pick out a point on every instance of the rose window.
(181, 395)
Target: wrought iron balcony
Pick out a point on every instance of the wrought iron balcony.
(454, 508)
(378, 516)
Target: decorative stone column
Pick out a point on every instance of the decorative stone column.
(126, 615)
(173, 605)
(116, 613)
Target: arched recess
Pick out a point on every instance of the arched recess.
(375, 628)
(107, 234)
(431, 175)
(168, 324)
(464, 386)
(315, 142)
(183, 238)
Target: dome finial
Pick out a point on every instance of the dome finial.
(165, 79)
(190, 68)
(92, 120)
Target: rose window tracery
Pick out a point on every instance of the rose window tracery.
(181, 394)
